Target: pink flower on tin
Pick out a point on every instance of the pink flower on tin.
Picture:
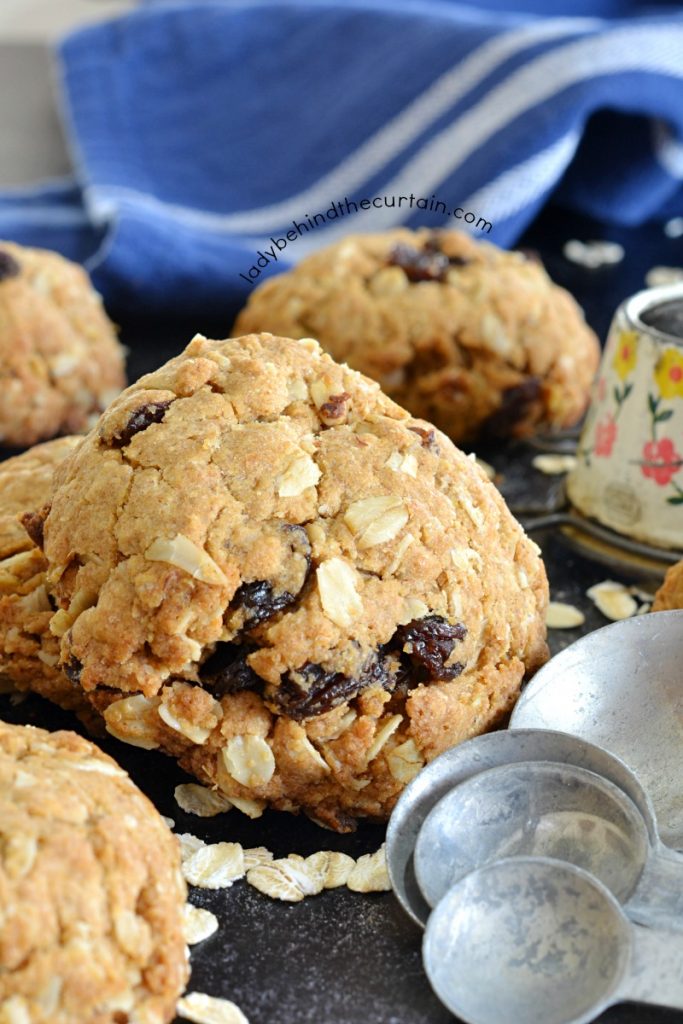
(605, 435)
(662, 461)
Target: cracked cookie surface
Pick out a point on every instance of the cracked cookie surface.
(268, 569)
(473, 338)
(90, 888)
(29, 652)
(60, 361)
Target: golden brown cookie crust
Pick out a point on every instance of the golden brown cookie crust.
(90, 888)
(60, 361)
(670, 594)
(338, 578)
(489, 345)
(29, 653)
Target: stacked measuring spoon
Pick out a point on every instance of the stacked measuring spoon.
(533, 857)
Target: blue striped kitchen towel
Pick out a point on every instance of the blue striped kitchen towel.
(217, 143)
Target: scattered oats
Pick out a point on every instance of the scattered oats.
(255, 856)
(376, 520)
(249, 760)
(644, 608)
(553, 465)
(205, 803)
(674, 227)
(642, 595)
(657, 276)
(214, 866)
(613, 600)
(384, 731)
(405, 761)
(272, 881)
(308, 873)
(185, 554)
(593, 254)
(334, 867)
(189, 844)
(203, 1009)
(198, 924)
(338, 595)
(252, 808)
(301, 473)
(563, 616)
(370, 873)
(169, 822)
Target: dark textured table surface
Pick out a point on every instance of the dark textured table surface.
(342, 957)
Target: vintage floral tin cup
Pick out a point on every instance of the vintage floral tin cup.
(629, 472)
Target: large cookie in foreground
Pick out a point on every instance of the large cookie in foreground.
(90, 889)
(472, 338)
(60, 361)
(29, 652)
(271, 571)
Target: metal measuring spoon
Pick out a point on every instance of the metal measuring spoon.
(529, 940)
(622, 687)
(474, 756)
(550, 810)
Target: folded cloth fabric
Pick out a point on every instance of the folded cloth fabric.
(216, 143)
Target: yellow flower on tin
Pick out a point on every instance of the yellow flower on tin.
(625, 355)
(669, 373)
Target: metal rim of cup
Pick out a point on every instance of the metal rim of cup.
(650, 298)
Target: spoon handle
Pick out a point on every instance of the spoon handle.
(658, 898)
(656, 974)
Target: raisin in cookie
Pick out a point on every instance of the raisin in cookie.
(670, 594)
(472, 338)
(271, 571)
(60, 361)
(90, 889)
(29, 653)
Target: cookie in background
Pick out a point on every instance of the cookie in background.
(60, 360)
(463, 334)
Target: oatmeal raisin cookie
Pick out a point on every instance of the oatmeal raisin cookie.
(60, 361)
(269, 570)
(90, 888)
(29, 653)
(472, 338)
